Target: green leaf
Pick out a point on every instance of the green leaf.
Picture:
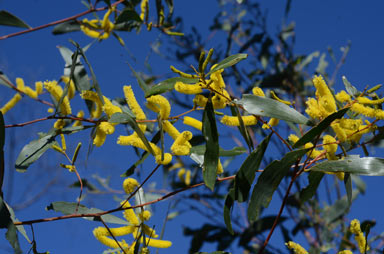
(33, 151)
(348, 188)
(200, 150)
(243, 130)
(66, 27)
(141, 82)
(247, 172)
(211, 155)
(314, 179)
(126, 118)
(350, 88)
(268, 182)
(70, 208)
(318, 129)
(8, 19)
(168, 85)
(228, 204)
(268, 107)
(228, 62)
(6, 222)
(4, 80)
(339, 208)
(2, 131)
(128, 15)
(86, 184)
(20, 228)
(370, 166)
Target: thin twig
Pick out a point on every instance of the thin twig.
(110, 232)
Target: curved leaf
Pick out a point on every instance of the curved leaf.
(211, 155)
(128, 15)
(66, 27)
(370, 166)
(8, 19)
(6, 222)
(268, 182)
(237, 150)
(168, 85)
(70, 208)
(228, 62)
(314, 179)
(318, 129)
(262, 106)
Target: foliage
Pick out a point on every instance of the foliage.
(287, 127)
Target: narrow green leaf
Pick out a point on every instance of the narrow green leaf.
(20, 228)
(350, 88)
(168, 85)
(262, 106)
(268, 182)
(86, 184)
(318, 129)
(200, 150)
(247, 172)
(243, 130)
(66, 27)
(128, 14)
(4, 80)
(33, 151)
(8, 19)
(228, 62)
(141, 82)
(211, 155)
(348, 188)
(339, 208)
(2, 142)
(126, 118)
(6, 222)
(370, 166)
(314, 179)
(70, 208)
(228, 204)
(2, 131)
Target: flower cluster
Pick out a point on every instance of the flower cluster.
(99, 29)
(141, 232)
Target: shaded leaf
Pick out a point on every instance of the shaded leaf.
(262, 106)
(370, 166)
(8, 19)
(211, 155)
(339, 208)
(33, 151)
(70, 208)
(128, 15)
(66, 27)
(318, 129)
(2, 131)
(141, 82)
(268, 182)
(168, 85)
(243, 130)
(228, 204)
(348, 188)
(6, 222)
(86, 184)
(126, 118)
(228, 62)
(314, 179)
(351, 90)
(200, 150)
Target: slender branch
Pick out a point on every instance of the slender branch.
(51, 117)
(110, 232)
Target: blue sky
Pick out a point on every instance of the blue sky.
(34, 56)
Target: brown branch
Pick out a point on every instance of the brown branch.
(51, 117)
(110, 232)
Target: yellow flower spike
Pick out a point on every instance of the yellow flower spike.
(340, 132)
(144, 250)
(71, 168)
(257, 91)
(220, 101)
(71, 87)
(20, 84)
(193, 122)
(293, 138)
(220, 169)
(274, 96)
(144, 9)
(134, 140)
(200, 100)
(350, 124)
(144, 215)
(359, 236)
(187, 180)
(342, 96)
(345, 252)
(365, 100)
(99, 137)
(134, 106)
(94, 97)
(272, 122)
(63, 143)
(106, 24)
(130, 184)
(180, 174)
(56, 91)
(80, 114)
(234, 120)
(324, 95)
(180, 146)
(171, 130)
(109, 108)
(159, 104)
(50, 110)
(156, 243)
(297, 248)
(182, 74)
(129, 214)
(39, 87)
(188, 89)
(331, 148)
(218, 81)
(106, 127)
(59, 124)
(167, 159)
(102, 234)
(149, 231)
(96, 29)
(313, 109)
(314, 152)
(11, 103)
(58, 149)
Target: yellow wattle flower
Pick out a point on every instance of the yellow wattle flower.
(144, 215)
(129, 214)
(272, 122)
(171, 130)
(293, 138)
(342, 96)
(365, 100)
(160, 105)
(29, 91)
(134, 106)
(345, 252)
(220, 99)
(331, 148)
(11, 103)
(200, 100)
(181, 145)
(94, 97)
(218, 81)
(56, 91)
(297, 248)
(193, 122)
(71, 87)
(257, 91)
(234, 120)
(96, 29)
(130, 184)
(59, 124)
(101, 234)
(109, 108)
(188, 89)
(156, 243)
(80, 114)
(143, 8)
(359, 236)
(313, 109)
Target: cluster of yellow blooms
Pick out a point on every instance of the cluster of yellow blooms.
(354, 229)
(141, 232)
